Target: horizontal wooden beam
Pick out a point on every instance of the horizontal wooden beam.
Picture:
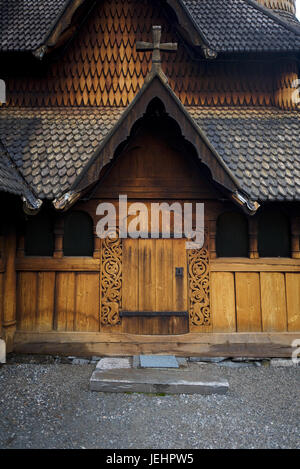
(65, 264)
(241, 264)
(192, 344)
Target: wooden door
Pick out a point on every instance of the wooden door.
(154, 292)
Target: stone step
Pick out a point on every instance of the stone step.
(2, 351)
(180, 381)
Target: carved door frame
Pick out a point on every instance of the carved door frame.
(198, 285)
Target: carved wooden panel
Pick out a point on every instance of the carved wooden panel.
(199, 287)
(111, 281)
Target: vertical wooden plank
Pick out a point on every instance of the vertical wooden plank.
(45, 301)
(273, 302)
(27, 301)
(65, 301)
(130, 281)
(293, 301)
(9, 287)
(87, 302)
(179, 283)
(147, 274)
(223, 302)
(248, 308)
(164, 275)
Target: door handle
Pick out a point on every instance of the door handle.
(178, 271)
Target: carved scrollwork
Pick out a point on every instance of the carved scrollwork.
(198, 278)
(111, 281)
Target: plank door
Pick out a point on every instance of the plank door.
(150, 285)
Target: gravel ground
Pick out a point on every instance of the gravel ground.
(50, 406)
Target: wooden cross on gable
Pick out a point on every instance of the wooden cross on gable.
(156, 47)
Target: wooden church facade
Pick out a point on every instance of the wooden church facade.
(213, 121)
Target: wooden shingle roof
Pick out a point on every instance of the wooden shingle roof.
(51, 147)
(225, 26)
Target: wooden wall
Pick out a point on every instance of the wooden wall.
(64, 294)
(255, 295)
(57, 298)
(247, 295)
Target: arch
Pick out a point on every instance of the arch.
(232, 235)
(39, 235)
(78, 235)
(273, 234)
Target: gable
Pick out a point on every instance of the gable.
(169, 108)
(156, 165)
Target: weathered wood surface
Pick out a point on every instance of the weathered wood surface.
(66, 264)
(150, 280)
(158, 325)
(153, 167)
(273, 302)
(248, 308)
(223, 302)
(240, 302)
(293, 301)
(62, 301)
(9, 286)
(114, 72)
(193, 344)
(255, 265)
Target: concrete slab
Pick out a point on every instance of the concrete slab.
(111, 363)
(158, 361)
(2, 351)
(181, 381)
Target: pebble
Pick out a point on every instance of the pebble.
(50, 406)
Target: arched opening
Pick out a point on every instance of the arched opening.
(39, 236)
(232, 235)
(78, 235)
(273, 234)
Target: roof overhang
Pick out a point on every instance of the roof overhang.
(156, 86)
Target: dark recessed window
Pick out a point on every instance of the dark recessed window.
(232, 235)
(39, 237)
(273, 234)
(78, 235)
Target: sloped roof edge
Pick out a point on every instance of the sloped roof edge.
(61, 23)
(31, 202)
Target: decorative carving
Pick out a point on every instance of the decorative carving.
(111, 281)
(198, 282)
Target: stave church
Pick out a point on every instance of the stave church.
(165, 103)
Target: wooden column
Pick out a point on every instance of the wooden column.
(212, 239)
(253, 242)
(295, 237)
(59, 238)
(9, 287)
(97, 247)
(21, 246)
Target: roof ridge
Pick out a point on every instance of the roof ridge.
(274, 16)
